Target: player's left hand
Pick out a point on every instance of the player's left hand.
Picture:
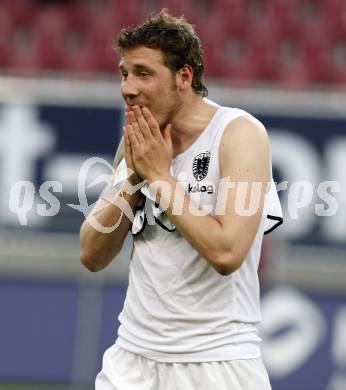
(152, 151)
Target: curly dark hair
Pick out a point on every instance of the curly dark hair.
(177, 40)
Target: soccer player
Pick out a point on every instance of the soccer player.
(201, 203)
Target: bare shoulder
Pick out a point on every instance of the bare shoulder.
(245, 128)
(245, 146)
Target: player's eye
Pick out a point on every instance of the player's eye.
(143, 74)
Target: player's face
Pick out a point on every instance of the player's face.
(146, 81)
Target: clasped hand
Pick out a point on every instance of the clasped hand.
(148, 152)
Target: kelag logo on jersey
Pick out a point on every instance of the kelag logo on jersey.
(200, 165)
(200, 188)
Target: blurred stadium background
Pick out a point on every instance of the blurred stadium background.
(284, 61)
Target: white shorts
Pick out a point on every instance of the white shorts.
(124, 370)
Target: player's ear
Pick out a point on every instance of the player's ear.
(184, 77)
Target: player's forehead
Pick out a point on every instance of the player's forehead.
(142, 56)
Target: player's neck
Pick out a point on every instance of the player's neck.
(189, 123)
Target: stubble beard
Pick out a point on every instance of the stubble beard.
(173, 109)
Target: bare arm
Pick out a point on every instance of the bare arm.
(224, 240)
(103, 233)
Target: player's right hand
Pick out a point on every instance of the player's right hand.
(134, 178)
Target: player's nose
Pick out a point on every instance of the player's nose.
(129, 89)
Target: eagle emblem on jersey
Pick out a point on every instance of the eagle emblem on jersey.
(200, 165)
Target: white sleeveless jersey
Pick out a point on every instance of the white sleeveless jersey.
(177, 307)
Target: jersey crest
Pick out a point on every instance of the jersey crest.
(200, 165)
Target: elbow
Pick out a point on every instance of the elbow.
(225, 269)
(225, 264)
(90, 261)
(96, 259)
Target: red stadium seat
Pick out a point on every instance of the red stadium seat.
(335, 10)
(332, 51)
(245, 38)
(295, 75)
(177, 7)
(21, 48)
(124, 13)
(79, 55)
(288, 61)
(226, 40)
(316, 42)
(5, 39)
(25, 54)
(51, 24)
(63, 44)
(102, 37)
(19, 12)
(233, 59)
